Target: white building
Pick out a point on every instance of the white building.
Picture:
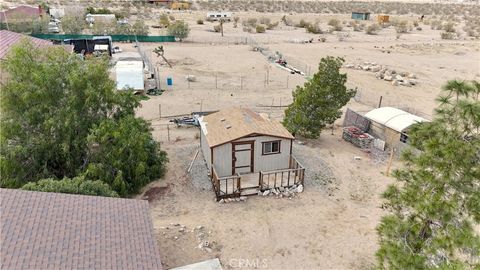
(246, 151)
(216, 16)
(129, 72)
(391, 125)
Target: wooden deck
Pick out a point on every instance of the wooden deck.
(249, 184)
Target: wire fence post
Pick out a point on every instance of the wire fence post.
(159, 110)
(168, 132)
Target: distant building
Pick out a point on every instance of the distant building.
(43, 230)
(56, 13)
(216, 16)
(129, 72)
(383, 18)
(102, 18)
(180, 5)
(21, 13)
(391, 125)
(361, 16)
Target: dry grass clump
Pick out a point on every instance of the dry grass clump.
(260, 29)
(372, 29)
(313, 28)
(335, 24)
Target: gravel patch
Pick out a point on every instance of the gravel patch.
(317, 173)
(199, 173)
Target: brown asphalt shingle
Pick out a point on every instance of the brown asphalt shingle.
(41, 230)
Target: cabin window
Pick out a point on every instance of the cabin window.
(404, 137)
(219, 16)
(269, 148)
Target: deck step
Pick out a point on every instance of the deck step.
(247, 192)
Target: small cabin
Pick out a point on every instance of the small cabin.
(391, 125)
(247, 152)
(216, 16)
(383, 18)
(364, 16)
(180, 5)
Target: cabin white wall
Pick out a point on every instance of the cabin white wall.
(222, 159)
(270, 162)
(222, 156)
(205, 149)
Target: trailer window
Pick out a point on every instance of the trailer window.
(404, 137)
(269, 148)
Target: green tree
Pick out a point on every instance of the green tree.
(125, 149)
(179, 29)
(50, 105)
(436, 204)
(73, 24)
(319, 101)
(77, 185)
(139, 28)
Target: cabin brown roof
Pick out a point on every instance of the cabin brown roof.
(9, 38)
(234, 123)
(42, 230)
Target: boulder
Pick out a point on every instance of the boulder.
(375, 68)
(394, 82)
(243, 198)
(379, 75)
(399, 78)
(300, 188)
(412, 76)
(413, 82)
(388, 78)
(266, 192)
(349, 66)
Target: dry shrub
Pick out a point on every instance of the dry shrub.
(335, 24)
(217, 28)
(401, 26)
(199, 21)
(302, 24)
(447, 35)
(264, 20)
(272, 26)
(260, 29)
(372, 29)
(314, 29)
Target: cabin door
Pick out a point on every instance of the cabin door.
(242, 157)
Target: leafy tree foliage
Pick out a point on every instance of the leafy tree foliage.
(436, 205)
(51, 106)
(126, 156)
(139, 28)
(179, 29)
(77, 185)
(319, 101)
(73, 24)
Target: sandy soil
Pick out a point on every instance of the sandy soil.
(332, 224)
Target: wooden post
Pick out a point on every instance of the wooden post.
(380, 102)
(168, 132)
(159, 110)
(390, 162)
(287, 80)
(216, 81)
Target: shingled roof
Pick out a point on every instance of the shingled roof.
(234, 123)
(41, 230)
(9, 38)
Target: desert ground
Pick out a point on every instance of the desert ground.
(331, 225)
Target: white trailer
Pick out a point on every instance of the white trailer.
(216, 16)
(130, 75)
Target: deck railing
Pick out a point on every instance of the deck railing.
(230, 186)
(227, 186)
(294, 175)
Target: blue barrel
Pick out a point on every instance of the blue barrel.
(169, 81)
